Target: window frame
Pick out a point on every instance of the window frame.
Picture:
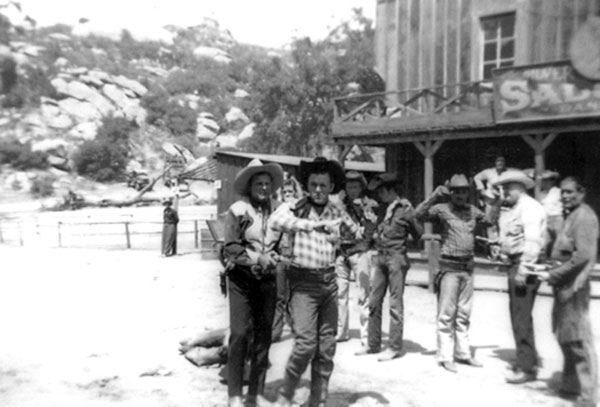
(498, 40)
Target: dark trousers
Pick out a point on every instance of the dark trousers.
(251, 309)
(389, 270)
(580, 370)
(521, 301)
(169, 239)
(313, 306)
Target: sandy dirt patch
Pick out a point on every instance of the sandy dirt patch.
(101, 328)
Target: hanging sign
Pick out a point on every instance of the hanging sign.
(546, 91)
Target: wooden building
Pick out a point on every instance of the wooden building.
(468, 80)
(229, 163)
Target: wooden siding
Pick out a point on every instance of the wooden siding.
(422, 43)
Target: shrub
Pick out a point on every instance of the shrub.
(116, 131)
(20, 156)
(43, 186)
(101, 161)
(180, 119)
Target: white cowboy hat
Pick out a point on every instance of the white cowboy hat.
(518, 176)
(240, 184)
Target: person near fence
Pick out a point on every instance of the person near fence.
(522, 225)
(355, 257)
(314, 227)
(396, 221)
(454, 279)
(251, 246)
(573, 257)
(169, 232)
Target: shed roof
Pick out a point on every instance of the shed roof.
(295, 160)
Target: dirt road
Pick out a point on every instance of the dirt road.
(101, 328)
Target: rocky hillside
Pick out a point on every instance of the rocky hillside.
(59, 83)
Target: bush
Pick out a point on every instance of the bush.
(180, 120)
(43, 186)
(101, 161)
(116, 130)
(20, 156)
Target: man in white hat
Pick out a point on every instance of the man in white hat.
(454, 281)
(250, 245)
(522, 225)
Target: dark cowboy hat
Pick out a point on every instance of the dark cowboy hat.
(321, 165)
(383, 179)
(240, 184)
(356, 176)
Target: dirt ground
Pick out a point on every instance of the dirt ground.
(90, 328)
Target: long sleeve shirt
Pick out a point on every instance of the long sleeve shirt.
(312, 249)
(552, 203)
(248, 233)
(362, 213)
(394, 226)
(522, 228)
(576, 247)
(484, 179)
(458, 226)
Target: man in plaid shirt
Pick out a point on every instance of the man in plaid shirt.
(454, 281)
(313, 224)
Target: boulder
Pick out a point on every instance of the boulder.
(216, 54)
(247, 131)
(156, 71)
(226, 141)
(80, 70)
(116, 95)
(130, 84)
(81, 110)
(236, 114)
(207, 127)
(240, 94)
(18, 181)
(48, 144)
(91, 80)
(135, 112)
(59, 37)
(81, 91)
(84, 131)
(100, 76)
(58, 162)
(60, 84)
(61, 62)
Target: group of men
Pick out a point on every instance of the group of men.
(328, 243)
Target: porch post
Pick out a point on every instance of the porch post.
(432, 246)
(539, 144)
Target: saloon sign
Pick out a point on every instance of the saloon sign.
(543, 92)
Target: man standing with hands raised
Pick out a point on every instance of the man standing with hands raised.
(454, 281)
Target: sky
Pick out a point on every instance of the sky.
(270, 23)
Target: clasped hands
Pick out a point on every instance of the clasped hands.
(327, 226)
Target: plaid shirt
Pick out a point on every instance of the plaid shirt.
(311, 249)
(458, 226)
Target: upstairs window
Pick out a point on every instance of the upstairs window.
(498, 42)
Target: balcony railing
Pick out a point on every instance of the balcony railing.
(434, 100)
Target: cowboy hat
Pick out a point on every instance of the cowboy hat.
(356, 176)
(458, 181)
(518, 176)
(322, 165)
(240, 184)
(382, 179)
(547, 174)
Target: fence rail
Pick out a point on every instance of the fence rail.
(126, 233)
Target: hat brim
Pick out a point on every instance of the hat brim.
(240, 184)
(524, 180)
(333, 168)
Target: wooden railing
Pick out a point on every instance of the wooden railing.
(426, 101)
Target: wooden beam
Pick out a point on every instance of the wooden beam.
(343, 152)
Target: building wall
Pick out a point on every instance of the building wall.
(424, 43)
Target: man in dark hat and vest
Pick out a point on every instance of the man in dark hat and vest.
(314, 227)
(454, 281)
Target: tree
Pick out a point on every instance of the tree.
(293, 105)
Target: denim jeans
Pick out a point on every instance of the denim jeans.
(389, 270)
(521, 301)
(282, 314)
(313, 306)
(455, 301)
(360, 263)
(251, 309)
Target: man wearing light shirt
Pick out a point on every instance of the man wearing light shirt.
(522, 225)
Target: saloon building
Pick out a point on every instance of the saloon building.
(468, 80)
